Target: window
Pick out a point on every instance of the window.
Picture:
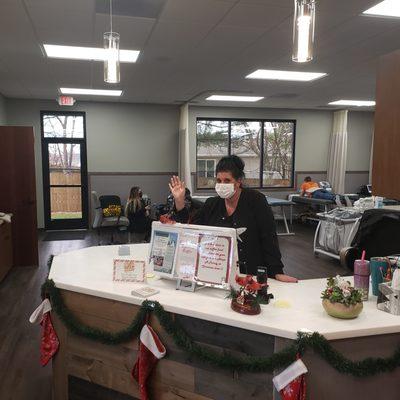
(212, 145)
(206, 168)
(266, 147)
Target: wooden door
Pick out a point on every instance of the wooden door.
(18, 191)
(386, 161)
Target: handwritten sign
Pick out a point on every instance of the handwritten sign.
(214, 259)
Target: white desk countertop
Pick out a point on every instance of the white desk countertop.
(89, 271)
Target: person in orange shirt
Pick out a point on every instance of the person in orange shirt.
(312, 189)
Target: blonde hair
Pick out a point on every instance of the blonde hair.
(134, 202)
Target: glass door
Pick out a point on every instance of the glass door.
(64, 170)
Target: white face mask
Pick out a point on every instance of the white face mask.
(225, 190)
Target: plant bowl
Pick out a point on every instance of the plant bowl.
(339, 310)
(249, 307)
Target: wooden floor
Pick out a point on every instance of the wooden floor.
(22, 377)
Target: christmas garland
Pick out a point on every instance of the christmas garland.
(281, 359)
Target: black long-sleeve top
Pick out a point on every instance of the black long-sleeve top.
(259, 245)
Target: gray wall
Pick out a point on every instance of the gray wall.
(3, 116)
(313, 129)
(137, 144)
(121, 138)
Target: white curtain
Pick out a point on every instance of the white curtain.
(338, 152)
(184, 147)
(371, 159)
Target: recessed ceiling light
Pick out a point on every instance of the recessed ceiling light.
(87, 53)
(216, 97)
(386, 8)
(285, 75)
(356, 103)
(94, 92)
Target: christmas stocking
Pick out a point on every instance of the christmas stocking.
(150, 351)
(291, 383)
(49, 342)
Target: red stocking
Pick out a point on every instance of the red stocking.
(49, 343)
(150, 351)
(291, 383)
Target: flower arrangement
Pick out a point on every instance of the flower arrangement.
(340, 299)
(339, 290)
(248, 298)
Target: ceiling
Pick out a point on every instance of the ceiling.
(192, 48)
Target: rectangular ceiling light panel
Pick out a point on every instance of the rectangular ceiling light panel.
(278, 75)
(216, 97)
(386, 8)
(87, 53)
(355, 103)
(92, 92)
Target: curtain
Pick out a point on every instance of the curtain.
(371, 159)
(337, 158)
(184, 147)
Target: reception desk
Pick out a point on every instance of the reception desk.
(85, 279)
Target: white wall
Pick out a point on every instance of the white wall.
(360, 127)
(3, 116)
(120, 137)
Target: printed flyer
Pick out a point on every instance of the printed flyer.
(163, 251)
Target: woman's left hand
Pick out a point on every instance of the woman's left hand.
(285, 278)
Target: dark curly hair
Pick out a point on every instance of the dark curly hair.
(232, 164)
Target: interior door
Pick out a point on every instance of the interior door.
(64, 170)
(18, 191)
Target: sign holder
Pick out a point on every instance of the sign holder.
(203, 256)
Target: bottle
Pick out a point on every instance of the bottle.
(361, 276)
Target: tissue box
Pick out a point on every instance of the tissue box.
(388, 299)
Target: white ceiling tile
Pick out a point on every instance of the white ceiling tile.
(133, 31)
(255, 15)
(209, 11)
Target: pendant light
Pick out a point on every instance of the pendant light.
(303, 30)
(111, 48)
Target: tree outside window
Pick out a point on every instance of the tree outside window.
(264, 145)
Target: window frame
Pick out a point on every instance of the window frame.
(55, 224)
(262, 121)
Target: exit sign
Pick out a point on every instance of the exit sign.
(66, 100)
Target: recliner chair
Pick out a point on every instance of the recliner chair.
(377, 234)
(100, 222)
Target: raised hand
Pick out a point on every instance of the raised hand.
(177, 188)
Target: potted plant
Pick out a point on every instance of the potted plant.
(247, 300)
(341, 300)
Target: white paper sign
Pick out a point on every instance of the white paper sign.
(163, 251)
(214, 259)
(128, 271)
(186, 263)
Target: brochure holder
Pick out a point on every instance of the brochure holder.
(196, 256)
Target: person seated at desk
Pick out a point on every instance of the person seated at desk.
(309, 188)
(138, 212)
(238, 207)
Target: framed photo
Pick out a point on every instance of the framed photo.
(129, 270)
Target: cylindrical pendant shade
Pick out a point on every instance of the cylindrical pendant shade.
(303, 30)
(111, 62)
